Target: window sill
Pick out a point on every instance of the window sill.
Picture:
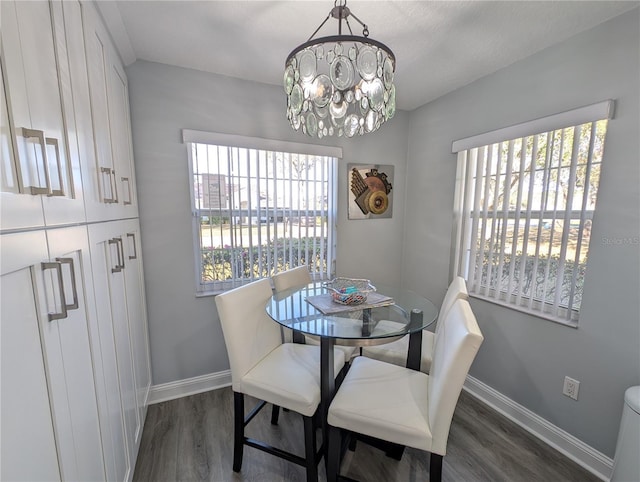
(207, 294)
(537, 314)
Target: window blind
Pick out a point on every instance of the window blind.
(524, 208)
(257, 211)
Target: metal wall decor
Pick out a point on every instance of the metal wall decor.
(341, 84)
(370, 191)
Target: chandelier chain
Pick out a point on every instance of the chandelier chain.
(319, 27)
(365, 29)
(343, 13)
(346, 20)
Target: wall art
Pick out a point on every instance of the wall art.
(370, 191)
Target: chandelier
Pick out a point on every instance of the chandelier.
(341, 84)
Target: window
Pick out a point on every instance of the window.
(524, 204)
(260, 207)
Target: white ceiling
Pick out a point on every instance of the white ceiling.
(439, 45)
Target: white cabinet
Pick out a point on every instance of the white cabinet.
(97, 53)
(95, 207)
(41, 175)
(113, 172)
(137, 313)
(120, 312)
(74, 343)
(27, 425)
(70, 356)
(48, 390)
(17, 208)
(121, 146)
(77, 102)
(112, 415)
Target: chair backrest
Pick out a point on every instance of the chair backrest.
(249, 333)
(457, 290)
(452, 357)
(292, 278)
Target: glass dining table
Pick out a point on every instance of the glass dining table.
(388, 314)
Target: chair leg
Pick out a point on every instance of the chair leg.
(435, 468)
(298, 337)
(395, 451)
(333, 454)
(310, 449)
(238, 430)
(353, 443)
(275, 413)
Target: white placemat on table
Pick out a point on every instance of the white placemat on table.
(326, 305)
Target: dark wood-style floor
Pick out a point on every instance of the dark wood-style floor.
(190, 439)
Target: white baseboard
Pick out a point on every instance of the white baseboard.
(584, 455)
(189, 386)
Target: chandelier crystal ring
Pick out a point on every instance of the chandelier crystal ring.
(341, 84)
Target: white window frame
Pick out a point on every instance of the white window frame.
(257, 146)
(466, 210)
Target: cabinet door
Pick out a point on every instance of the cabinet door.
(70, 207)
(28, 449)
(33, 84)
(69, 356)
(47, 361)
(136, 309)
(123, 338)
(121, 137)
(108, 263)
(97, 45)
(19, 209)
(8, 172)
(96, 209)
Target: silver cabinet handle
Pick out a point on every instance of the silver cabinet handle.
(135, 247)
(37, 134)
(63, 302)
(107, 171)
(64, 307)
(126, 179)
(115, 185)
(121, 251)
(120, 264)
(114, 197)
(72, 271)
(56, 192)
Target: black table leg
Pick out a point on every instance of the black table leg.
(327, 387)
(366, 322)
(414, 356)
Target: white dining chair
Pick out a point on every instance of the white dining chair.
(396, 352)
(403, 406)
(284, 280)
(262, 366)
(297, 278)
(291, 278)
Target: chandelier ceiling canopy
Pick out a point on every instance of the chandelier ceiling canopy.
(340, 85)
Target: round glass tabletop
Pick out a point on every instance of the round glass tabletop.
(388, 313)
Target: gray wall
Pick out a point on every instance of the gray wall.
(523, 357)
(185, 335)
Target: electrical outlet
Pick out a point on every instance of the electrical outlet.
(571, 388)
